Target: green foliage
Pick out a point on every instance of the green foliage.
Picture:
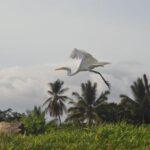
(34, 121)
(139, 106)
(104, 137)
(109, 112)
(84, 109)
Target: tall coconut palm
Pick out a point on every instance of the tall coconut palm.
(140, 103)
(85, 105)
(56, 102)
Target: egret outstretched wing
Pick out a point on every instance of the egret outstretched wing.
(87, 58)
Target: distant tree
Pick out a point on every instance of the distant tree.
(4, 114)
(85, 105)
(115, 112)
(9, 115)
(126, 112)
(55, 104)
(108, 112)
(34, 121)
(139, 106)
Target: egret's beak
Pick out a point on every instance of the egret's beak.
(61, 68)
(57, 69)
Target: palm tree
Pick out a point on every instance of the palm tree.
(85, 105)
(140, 103)
(55, 103)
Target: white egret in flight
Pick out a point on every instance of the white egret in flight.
(88, 63)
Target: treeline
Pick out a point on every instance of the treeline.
(9, 115)
(87, 107)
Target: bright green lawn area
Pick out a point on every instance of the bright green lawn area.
(105, 137)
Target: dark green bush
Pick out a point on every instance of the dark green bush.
(34, 121)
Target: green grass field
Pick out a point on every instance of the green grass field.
(105, 137)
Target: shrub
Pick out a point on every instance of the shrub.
(34, 121)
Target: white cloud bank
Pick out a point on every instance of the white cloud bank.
(23, 87)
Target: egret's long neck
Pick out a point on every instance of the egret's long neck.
(69, 72)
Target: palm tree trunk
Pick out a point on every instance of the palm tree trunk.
(143, 118)
(59, 119)
(90, 120)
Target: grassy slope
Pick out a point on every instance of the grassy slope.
(109, 137)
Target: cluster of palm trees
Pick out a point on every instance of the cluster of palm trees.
(91, 109)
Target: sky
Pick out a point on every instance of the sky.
(36, 36)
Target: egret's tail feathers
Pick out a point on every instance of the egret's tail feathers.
(100, 64)
(104, 63)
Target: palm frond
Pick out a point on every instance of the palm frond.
(77, 95)
(62, 91)
(47, 101)
(64, 98)
(146, 84)
(50, 92)
(103, 97)
(128, 99)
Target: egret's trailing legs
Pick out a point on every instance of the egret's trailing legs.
(106, 82)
